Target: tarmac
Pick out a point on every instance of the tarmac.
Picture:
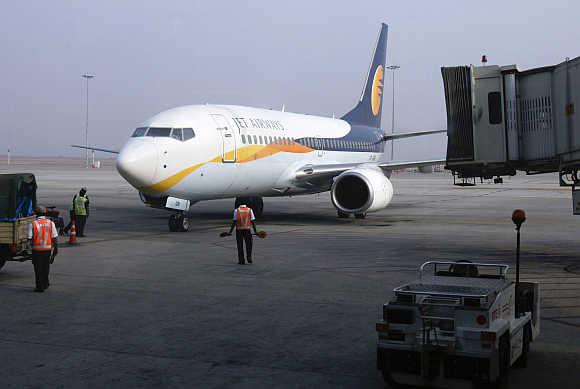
(134, 305)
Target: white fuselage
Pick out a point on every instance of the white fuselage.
(239, 151)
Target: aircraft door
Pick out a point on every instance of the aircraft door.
(227, 138)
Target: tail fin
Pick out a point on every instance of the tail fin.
(368, 110)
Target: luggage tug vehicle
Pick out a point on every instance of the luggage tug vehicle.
(459, 321)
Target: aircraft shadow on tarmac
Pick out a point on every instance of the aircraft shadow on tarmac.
(300, 219)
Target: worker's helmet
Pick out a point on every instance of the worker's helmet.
(40, 211)
(83, 191)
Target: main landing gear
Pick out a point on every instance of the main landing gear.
(254, 202)
(344, 215)
(178, 222)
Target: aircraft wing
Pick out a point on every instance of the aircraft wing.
(322, 175)
(96, 149)
(395, 165)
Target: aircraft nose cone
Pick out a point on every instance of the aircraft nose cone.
(137, 163)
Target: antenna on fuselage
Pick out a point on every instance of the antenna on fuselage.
(283, 107)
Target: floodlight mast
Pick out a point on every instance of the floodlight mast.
(87, 77)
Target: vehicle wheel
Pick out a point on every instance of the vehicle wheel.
(173, 223)
(342, 215)
(504, 358)
(4, 255)
(360, 215)
(527, 338)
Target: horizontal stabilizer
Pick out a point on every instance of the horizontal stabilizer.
(95, 149)
(401, 135)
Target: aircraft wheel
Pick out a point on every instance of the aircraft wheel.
(182, 223)
(342, 215)
(241, 200)
(257, 205)
(360, 215)
(172, 223)
(255, 202)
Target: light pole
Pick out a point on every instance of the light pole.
(87, 77)
(393, 68)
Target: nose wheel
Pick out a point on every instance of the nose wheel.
(178, 223)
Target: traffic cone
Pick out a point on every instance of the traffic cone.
(72, 239)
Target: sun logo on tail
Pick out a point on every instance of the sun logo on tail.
(377, 91)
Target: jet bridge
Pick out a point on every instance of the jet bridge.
(501, 120)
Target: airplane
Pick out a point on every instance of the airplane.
(202, 152)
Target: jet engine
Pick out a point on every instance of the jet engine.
(361, 190)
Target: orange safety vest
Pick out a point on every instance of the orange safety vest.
(244, 220)
(42, 235)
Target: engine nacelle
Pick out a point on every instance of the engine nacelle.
(361, 190)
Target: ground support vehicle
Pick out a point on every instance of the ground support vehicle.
(17, 204)
(462, 321)
(14, 245)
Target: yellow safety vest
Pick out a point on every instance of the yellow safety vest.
(80, 208)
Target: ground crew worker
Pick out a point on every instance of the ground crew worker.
(243, 219)
(81, 205)
(44, 238)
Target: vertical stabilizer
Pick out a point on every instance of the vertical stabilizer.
(369, 108)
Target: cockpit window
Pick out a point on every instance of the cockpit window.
(139, 132)
(188, 133)
(176, 133)
(158, 131)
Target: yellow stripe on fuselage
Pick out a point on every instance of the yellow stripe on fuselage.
(244, 154)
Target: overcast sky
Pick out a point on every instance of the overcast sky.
(311, 56)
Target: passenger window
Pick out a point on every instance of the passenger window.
(255, 140)
(249, 139)
(159, 132)
(188, 134)
(176, 134)
(243, 139)
(139, 132)
(261, 140)
(270, 139)
(494, 106)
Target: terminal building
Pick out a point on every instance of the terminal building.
(501, 120)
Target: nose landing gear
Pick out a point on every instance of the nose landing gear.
(178, 222)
